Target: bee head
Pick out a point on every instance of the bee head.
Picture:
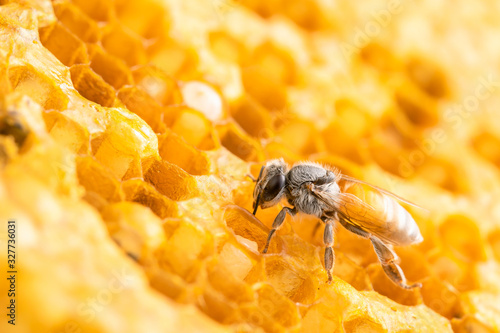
(270, 185)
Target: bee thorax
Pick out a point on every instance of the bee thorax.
(305, 201)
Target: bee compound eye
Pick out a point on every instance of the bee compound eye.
(273, 187)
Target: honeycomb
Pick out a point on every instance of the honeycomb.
(128, 129)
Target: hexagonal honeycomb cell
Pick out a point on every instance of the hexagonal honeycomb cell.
(130, 132)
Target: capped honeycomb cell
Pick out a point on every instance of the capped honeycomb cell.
(204, 98)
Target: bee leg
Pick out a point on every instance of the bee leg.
(389, 260)
(355, 230)
(251, 177)
(328, 240)
(278, 221)
(387, 257)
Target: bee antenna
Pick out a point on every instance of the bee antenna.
(258, 196)
(256, 204)
(260, 173)
(253, 178)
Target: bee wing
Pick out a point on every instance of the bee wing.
(350, 181)
(373, 210)
(351, 209)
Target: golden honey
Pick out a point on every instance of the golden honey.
(128, 129)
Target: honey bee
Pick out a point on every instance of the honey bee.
(363, 209)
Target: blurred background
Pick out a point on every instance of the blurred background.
(127, 129)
